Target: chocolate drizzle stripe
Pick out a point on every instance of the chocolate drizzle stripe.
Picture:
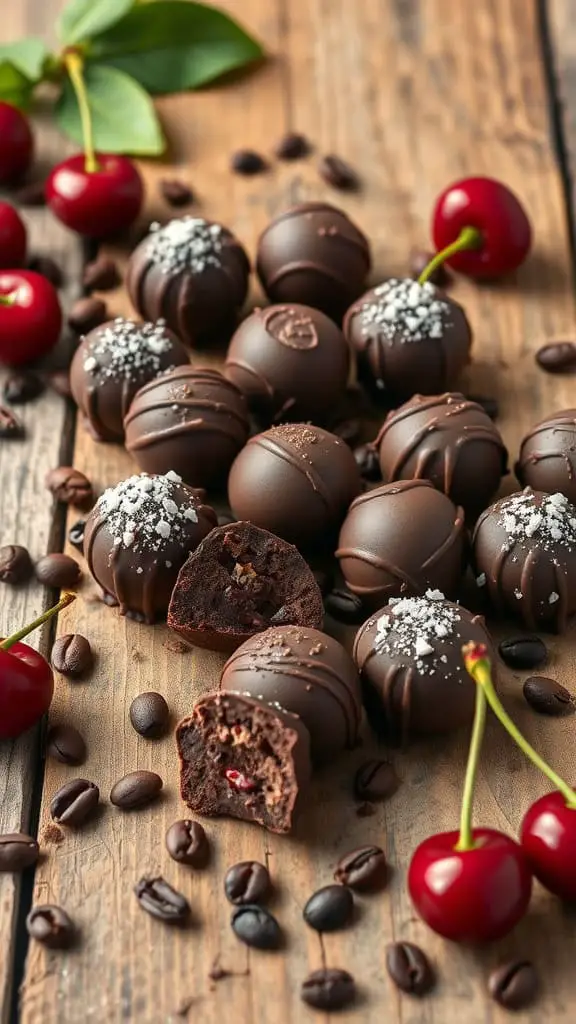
(189, 403)
(305, 265)
(252, 373)
(398, 723)
(275, 447)
(93, 411)
(448, 543)
(561, 606)
(378, 563)
(387, 491)
(450, 453)
(180, 430)
(180, 374)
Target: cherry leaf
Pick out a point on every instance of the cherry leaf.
(27, 56)
(15, 88)
(82, 19)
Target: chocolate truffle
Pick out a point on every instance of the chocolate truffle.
(138, 536)
(243, 758)
(448, 440)
(111, 363)
(305, 672)
(296, 481)
(401, 540)
(237, 583)
(192, 272)
(525, 554)
(291, 362)
(409, 655)
(315, 255)
(547, 460)
(192, 421)
(410, 338)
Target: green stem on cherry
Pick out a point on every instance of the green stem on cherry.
(469, 238)
(75, 65)
(64, 601)
(466, 838)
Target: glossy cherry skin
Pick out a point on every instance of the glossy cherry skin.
(30, 316)
(16, 143)
(12, 237)
(26, 689)
(494, 210)
(98, 204)
(548, 838)
(475, 895)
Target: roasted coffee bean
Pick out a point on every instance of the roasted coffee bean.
(348, 431)
(328, 989)
(247, 161)
(150, 714)
(74, 802)
(15, 564)
(523, 652)
(51, 926)
(20, 388)
(176, 193)
(187, 843)
(65, 744)
(558, 357)
(344, 606)
(48, 268)
(329, 908)
(70, 486)
(101, 275)
(547, 696)
(86, 314)
(419, 260)
(157, 897)
(514, 985)
(71, 654)
(11, 428)
(409, 968)
(366, 458)
(76, 534)
(337, 173)
(136, 789)
(256, 927)
(325, 580)
(490, 405)
(58, 571)
(33, 193)
(17, 852)
(292, 146)
(247, 882)
(363, 869)
(375, 780)
(60, 383)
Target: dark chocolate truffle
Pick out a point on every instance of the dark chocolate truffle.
(243, 758)
(192, 272)
(448, 440)
(112, 362)
(410, 339)
(192, 421)
(237, 583)
(296, 481)
(401, 540)
(547, 460)
(305, 672)
(525, 556)
(409, 655)
(315, 255)
(138, 536)
(291, 362)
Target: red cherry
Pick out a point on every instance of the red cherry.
(97, 203)
(30, 316)
(548, 838)
(16, 143)
(491, 208)
(474, 895)
(12, 237)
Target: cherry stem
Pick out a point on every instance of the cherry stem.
(64, 601)
(75, 66)
(469, 238)
(466, 839)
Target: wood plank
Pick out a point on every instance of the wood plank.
(414, 95)
(561, 38)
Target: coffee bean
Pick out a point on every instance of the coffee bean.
(523, 652)
(419, 260)
(157, 897)
(363, 869)
(490, 405)
(66, 744)
(86, 314)
(20, 388)
(328, 989)
(187, 843)
(325, 580)
(11, 428)
(344, 607)
(17, 852)
(76, 534)
(514, 985)
(292, 146)
(547, 696)
(70, 486)
(149, 714)
(176, 193)
(409, 968)
(72, 654)
(60, 383)
(348, 431)
(375, 780)
(31, 194)
(256, 927)
(366, 458)
(58, 571)
(337, 173)
(247, 161)
(101, 275)
(247, 882)
(15, 564)
(51, 926)
(74, 802)
(558, 357)
(48, 268)
(136, 789)
(329, 908)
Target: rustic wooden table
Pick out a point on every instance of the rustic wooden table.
(414, 95)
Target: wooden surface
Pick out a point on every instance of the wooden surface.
(414, 95)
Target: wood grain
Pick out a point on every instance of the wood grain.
(414, 95)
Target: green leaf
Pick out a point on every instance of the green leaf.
(27, 56)
(15, 88)
(123, 116)
(82, 19)
(175, 44)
